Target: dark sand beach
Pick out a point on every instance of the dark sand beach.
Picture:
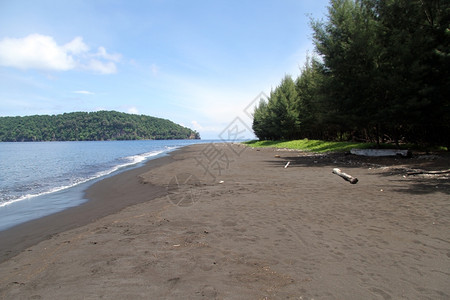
(222, 221)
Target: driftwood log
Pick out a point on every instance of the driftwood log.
(380, 152)
(428, 172)
(347, 177)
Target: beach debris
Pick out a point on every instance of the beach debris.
(428, 157)
(380, 152)
(277, 155)
(221, 181)
(347, 177)
(287, 165)
(428, 172)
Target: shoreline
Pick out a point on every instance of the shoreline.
(19, 237)
(30, 196)
(251, 229)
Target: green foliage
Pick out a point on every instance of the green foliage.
(381, 74)
(261, 122)
(93, 126)
(278, 119)
(417, 59)
(349, 51)
(310, 113)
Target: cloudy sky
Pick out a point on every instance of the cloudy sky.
(198, 63)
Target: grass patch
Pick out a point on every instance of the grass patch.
(326, 146)
(311, 145)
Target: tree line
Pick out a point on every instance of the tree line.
(379, 73)
(91, 126)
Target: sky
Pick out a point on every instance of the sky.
(202, 64)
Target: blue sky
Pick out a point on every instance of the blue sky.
(197, 63)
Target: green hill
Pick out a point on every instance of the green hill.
(92, 126)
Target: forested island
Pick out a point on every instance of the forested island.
(380, 73)
(91, 126)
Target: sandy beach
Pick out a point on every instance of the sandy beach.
(223, 221)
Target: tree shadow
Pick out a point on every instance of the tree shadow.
(332, 160)
(418, 184)
(393, 168)
(426, 187)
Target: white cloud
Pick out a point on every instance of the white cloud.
(133, 62)
(103, 54)
(196, 125)
(35, 52)
(41, 52)
(84, 92)
(100, 66)
(216, 106)
(76, 46)
(211, 129)
(155, 69)
(133, 110)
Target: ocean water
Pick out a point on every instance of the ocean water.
(41, 178)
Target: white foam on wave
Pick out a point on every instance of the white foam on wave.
(130, 161)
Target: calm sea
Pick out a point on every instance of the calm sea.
(37, 179)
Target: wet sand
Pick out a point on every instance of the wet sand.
(217, 221)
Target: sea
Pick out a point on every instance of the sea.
(42, 178)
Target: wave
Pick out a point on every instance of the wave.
(126, 162)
